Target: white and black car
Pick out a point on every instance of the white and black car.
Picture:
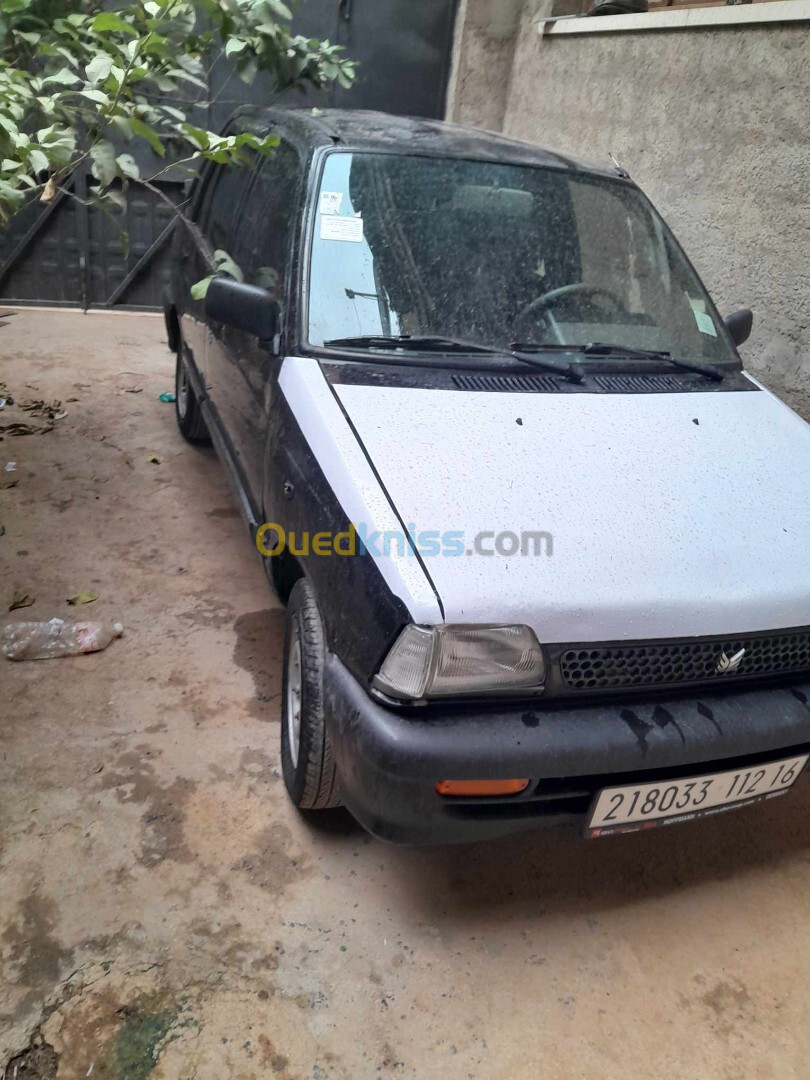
(543, 542)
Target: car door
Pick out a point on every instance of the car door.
(191, 264)
(245, 369)
(219, 218)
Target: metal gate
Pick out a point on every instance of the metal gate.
(74, 255)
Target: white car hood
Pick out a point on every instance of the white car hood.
(672, 515)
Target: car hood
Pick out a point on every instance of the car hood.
(671, 515)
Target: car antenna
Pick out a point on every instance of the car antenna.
(621, 171)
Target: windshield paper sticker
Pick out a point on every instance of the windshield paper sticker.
(342, 228)
(705, 323)
(331, 202)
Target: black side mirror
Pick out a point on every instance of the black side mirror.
(739, 325)
(247, 307)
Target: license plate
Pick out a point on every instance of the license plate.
(666, 802)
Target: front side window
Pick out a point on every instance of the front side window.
(494, 254)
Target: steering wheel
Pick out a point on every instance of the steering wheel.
(579, 288)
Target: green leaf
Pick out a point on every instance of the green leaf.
(108, 21)
(225, 264)
(10, 195)
(200, 288)
(62, 77)
(148, 133)
(104, 167)
(67, 54)
(117, 198)
(99, 68)
(248, 70)
(279, 8)
(84, 597)
(95, 95)
(184, 76)
(12, 7)
(123, 125)
(128, 166)
(235, 45)
(171, 111)
(38, 161)
(195, 135)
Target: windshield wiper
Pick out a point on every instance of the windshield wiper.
(527, 355)
(598, 348)
(411, 341)
(422, 342)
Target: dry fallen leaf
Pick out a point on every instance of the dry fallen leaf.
(49, 191)
(20, 600)
(17, 429)
(84, 597)
(154, 459)
(51, 409)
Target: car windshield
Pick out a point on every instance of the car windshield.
(494, 254)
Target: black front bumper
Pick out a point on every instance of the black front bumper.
(389, 761)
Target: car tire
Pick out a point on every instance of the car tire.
(307, 763)
(186, 406)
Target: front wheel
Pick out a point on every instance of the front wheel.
(306, 753)
(186, 406)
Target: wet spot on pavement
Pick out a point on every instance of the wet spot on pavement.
(258, 650)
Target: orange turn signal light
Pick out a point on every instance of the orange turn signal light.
(481, 787)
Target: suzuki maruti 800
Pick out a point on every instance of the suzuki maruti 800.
(542, 540)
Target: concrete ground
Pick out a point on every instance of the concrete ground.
(165, 913)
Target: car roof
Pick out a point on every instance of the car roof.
(362, 129)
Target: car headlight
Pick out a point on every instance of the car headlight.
(446, 661)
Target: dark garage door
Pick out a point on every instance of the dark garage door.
(69, 254)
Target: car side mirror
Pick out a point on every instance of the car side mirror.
(246, 307)
(739, 325)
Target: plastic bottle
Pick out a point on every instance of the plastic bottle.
(42, 640)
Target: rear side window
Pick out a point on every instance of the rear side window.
(220, 203)
(265, 226)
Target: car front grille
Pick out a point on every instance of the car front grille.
(612, 667)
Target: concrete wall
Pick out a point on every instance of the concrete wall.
(712, 123)
(484, 47)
